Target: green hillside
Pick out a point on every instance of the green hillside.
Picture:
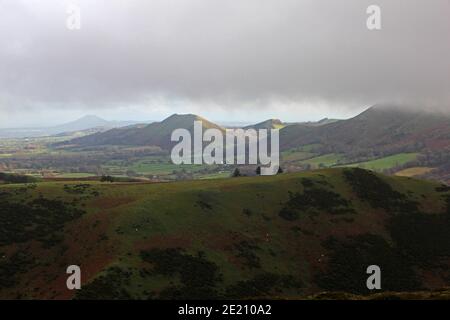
(287, 236)
(384, 129)
(154, 134)
(387, 162)
(327, 160)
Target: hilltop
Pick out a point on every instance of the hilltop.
(268, 124)
(288, 236)
(380, 128)
(384, 138)
(154, 134)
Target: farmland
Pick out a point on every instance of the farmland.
(387, 162)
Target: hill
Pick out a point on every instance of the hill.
(268, 124)
(319, 123)
(378, 138)
(288, 236)
(380, 129)
(278, 124)
(384, 138)
(154, 134)
(88, 122)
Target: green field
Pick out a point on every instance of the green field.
(327, 160)
(219, 175)
(294, 155)
(387, 162)
(147, 167)
(159, 166)
(75, 175)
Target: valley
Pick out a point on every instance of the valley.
(387, 141)
(141, 227)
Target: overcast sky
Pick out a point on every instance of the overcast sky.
(226, 60)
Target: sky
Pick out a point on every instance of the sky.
(246, 60)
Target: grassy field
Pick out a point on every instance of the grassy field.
(75, 175)
(327, 160)
(294, 155)
(146, 167)
(156, 165)
(387, 162)
(280, 236)
(219, 175)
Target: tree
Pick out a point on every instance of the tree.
(236, 173)
(106, 179)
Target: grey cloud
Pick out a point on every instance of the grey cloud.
(223, 53)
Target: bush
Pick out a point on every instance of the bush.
(314, 200)
(15, 178)
(40, 219)
(106, 179)
(109, 286)
(349, 259)
(378, 193)
(197, 275)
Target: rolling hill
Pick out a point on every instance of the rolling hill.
(268, 124)
(383, 138)
(154, 134)
(379, 129)
(287, 237)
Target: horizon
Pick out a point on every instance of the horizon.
(232, 121)
(161, 118)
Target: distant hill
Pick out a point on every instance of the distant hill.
(268, 124)
(154, 134)
(88, 122)
(385, 138)
(158, 133)
(380, 129)
(278, 124)
(283, 237)
(321, 122)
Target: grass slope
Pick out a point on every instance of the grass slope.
(286, 236)
(386, 162)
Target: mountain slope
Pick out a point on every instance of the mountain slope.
(86, 122)
(285, 236)
(155, 134)
(380, 129)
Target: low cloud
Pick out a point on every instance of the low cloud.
(226, 55)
